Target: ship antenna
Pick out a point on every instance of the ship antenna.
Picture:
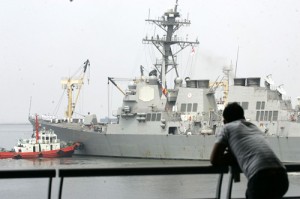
(236, 62)
(142, 70)
(108, 104)
(29, 105)
(36, 128)
(176, 4)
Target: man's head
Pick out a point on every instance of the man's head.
(233, 111)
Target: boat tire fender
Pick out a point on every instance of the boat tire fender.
(17, 157)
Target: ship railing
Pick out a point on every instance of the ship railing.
(138, 171)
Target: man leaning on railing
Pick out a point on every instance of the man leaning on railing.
(241, 142)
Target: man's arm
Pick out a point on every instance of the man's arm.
(221, 156)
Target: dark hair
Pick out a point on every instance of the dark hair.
(233, 111)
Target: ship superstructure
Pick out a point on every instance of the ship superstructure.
(265, 106)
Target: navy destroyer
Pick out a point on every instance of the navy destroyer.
(156, 120)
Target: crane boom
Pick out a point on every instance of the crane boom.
(110, 79)
(71, 83)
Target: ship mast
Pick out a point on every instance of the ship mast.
(36, 129)
(170, 25)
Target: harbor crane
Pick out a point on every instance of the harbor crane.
(71, 83)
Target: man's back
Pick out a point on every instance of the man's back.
(248, 145)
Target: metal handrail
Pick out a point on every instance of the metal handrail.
(42, 173)
(136, 171)
(144, 171)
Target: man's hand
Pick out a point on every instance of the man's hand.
(221, 155)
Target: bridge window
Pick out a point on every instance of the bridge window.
(158, 116)
(183, 108)
(195, 107)
(266, 116)
(153, 117)
(257, 115)
(245, 105)
(262, 105)
(275, 115)
(270, 116)
(148, 117)
(258, 105)
(261, 116)
(189, 107)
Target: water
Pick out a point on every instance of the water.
(180, 186)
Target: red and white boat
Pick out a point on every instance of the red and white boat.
(44, 144)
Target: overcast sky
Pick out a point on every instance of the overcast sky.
(42, 41)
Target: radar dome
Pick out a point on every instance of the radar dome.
(178, 82)
(132, 85)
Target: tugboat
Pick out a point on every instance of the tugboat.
(44, 144)
(158, 119)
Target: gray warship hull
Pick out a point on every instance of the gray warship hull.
(185, 147)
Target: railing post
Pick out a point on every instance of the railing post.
(219, 186)
(60, 187)
(50, 188)
(234, 175)
(230, 181)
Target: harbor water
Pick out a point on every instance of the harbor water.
(175, 186)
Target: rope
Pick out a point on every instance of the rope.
(56, 109)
